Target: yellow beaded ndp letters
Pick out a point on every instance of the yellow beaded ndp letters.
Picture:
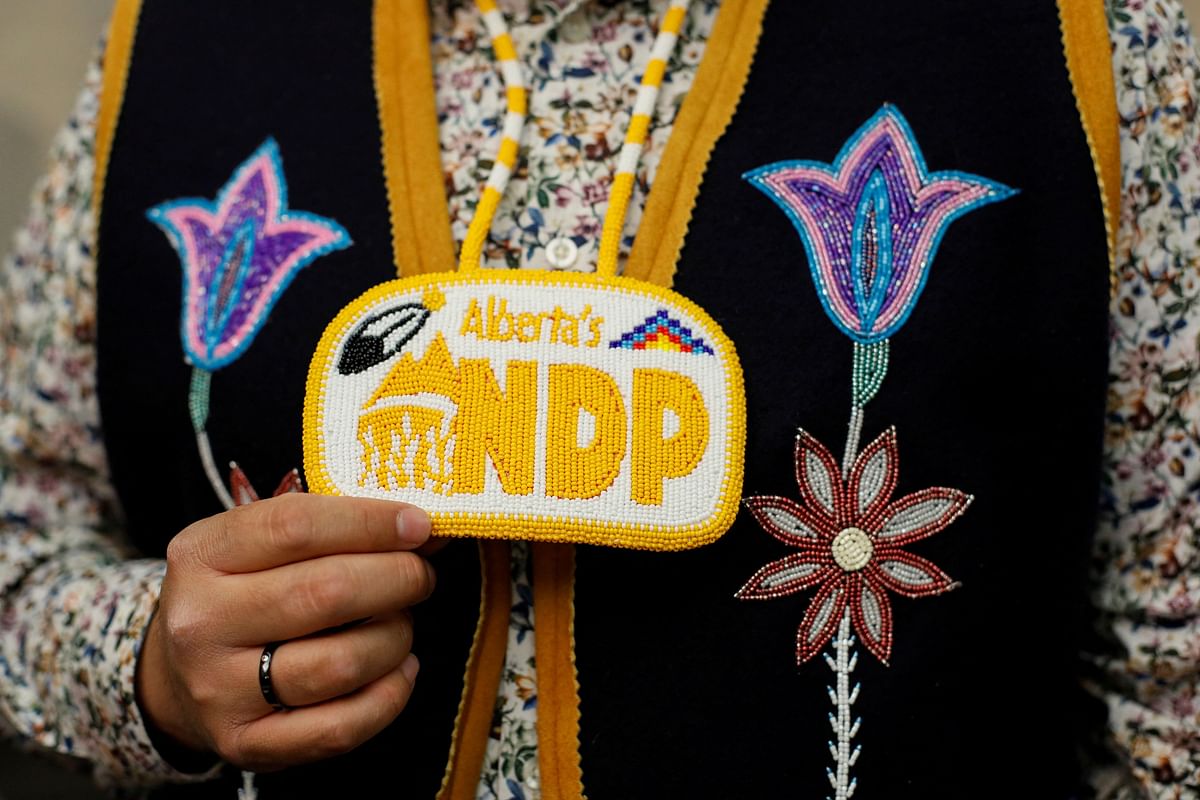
(635, 442)
(498, 425)
(657, 457)
(574, 472)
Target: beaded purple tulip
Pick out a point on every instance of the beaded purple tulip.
(872, 221)
(238, 253)
(871, 224)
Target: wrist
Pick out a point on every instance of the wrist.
(176, 742)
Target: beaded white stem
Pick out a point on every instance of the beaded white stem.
(870, 366)
(210, 469)
(852, 438)
(247, 792)
(843, 663)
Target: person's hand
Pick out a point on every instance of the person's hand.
(286, 569)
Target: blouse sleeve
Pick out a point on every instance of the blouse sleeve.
(73, 606)
(1146, 568)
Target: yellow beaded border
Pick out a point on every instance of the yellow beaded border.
(544, 528)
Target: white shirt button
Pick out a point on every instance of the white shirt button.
(574, 27)
(562, 252)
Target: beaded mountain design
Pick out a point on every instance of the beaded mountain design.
(871, 223)
(662, 332)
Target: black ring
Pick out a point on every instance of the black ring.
(264, 677)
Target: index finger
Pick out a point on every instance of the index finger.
(298, 527)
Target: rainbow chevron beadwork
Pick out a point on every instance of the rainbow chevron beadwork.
(662, 332)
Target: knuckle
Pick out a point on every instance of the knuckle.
(290, 526)
(238, 522)
(338, 736)
(205, 542)
(413, 574)
(205, 692)
(329, 591)
(235, 745)
(186, 624)
(181, 549)
(403, 631)
(362, 516)
(338, 669)
(395, 696)
(231, 746)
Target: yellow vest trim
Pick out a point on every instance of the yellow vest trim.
(1088, 51)
(482, 680)
(118, 52)
(558, 680)
(412, 159)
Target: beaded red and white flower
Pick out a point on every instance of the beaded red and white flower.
(850, 533)
(871, 223)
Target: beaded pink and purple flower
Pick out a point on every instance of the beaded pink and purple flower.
(871, 223)
(238, 253)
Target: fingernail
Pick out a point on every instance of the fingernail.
(412, 524)
(409, 667)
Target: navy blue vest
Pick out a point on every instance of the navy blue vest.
(996, 386)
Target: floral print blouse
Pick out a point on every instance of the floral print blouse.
(1146, 564)
(74, 602)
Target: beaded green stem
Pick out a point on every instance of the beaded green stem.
(870, 366)
(198, 407)
(198, 397)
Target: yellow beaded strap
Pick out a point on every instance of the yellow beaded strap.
(635, 137)
(514, 122)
